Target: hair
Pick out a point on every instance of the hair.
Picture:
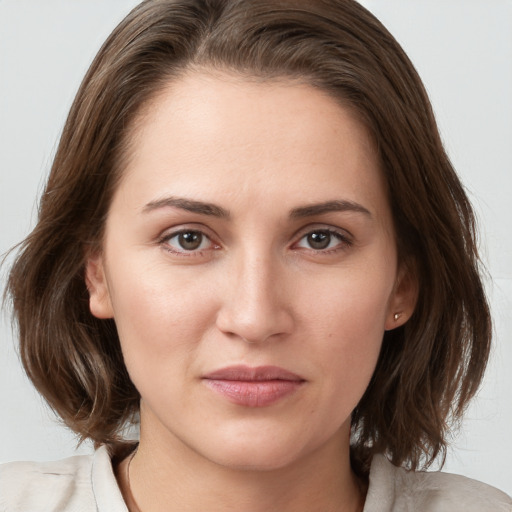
(428, 369)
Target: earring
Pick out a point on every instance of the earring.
(397, 316)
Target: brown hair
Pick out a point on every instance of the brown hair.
(428, 369)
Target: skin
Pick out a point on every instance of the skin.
(254, 292)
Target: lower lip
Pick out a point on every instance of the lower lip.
(254, 393)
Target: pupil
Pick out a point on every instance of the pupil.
(190, 240)
(319, 240)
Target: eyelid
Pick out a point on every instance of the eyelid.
(346, 238)
(170, 233)
(317, 226)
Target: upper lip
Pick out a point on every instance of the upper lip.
(253, 373)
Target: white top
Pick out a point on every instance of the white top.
(86, 483)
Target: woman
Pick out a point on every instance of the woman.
(253, 238)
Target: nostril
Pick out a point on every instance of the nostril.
(255, 326)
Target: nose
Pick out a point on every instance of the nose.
(256, 306)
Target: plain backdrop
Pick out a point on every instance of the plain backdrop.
(463, 51)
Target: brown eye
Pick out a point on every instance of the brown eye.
(324, 240)
(319, 240)
(190, 240)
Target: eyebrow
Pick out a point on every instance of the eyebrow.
(214, 210)
(327, 207)
(189, 205)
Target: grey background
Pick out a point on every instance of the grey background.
(463, 51)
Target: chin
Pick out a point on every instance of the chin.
(256, 459)
(263, 450)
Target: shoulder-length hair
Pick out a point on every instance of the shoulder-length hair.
(428, 369)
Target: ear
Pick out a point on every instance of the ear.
(96, 282)
(403, 300)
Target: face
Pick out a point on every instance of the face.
(250, 264)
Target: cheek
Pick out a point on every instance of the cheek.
(346, 324)
(350, 303)
(159, 317)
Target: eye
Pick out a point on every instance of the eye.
(187, 241)
(323, 240)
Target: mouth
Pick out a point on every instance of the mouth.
(253, 386)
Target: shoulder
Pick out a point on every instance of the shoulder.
(404, 491)
(48, 486)
(74, 484)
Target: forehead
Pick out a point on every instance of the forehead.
(216, 133)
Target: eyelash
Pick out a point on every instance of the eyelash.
(164, 241)
(344, 242)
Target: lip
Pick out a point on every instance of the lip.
(258, 386)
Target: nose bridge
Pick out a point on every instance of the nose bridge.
(255, 307)
(259, 283)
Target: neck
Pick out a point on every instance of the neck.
(179, 479)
